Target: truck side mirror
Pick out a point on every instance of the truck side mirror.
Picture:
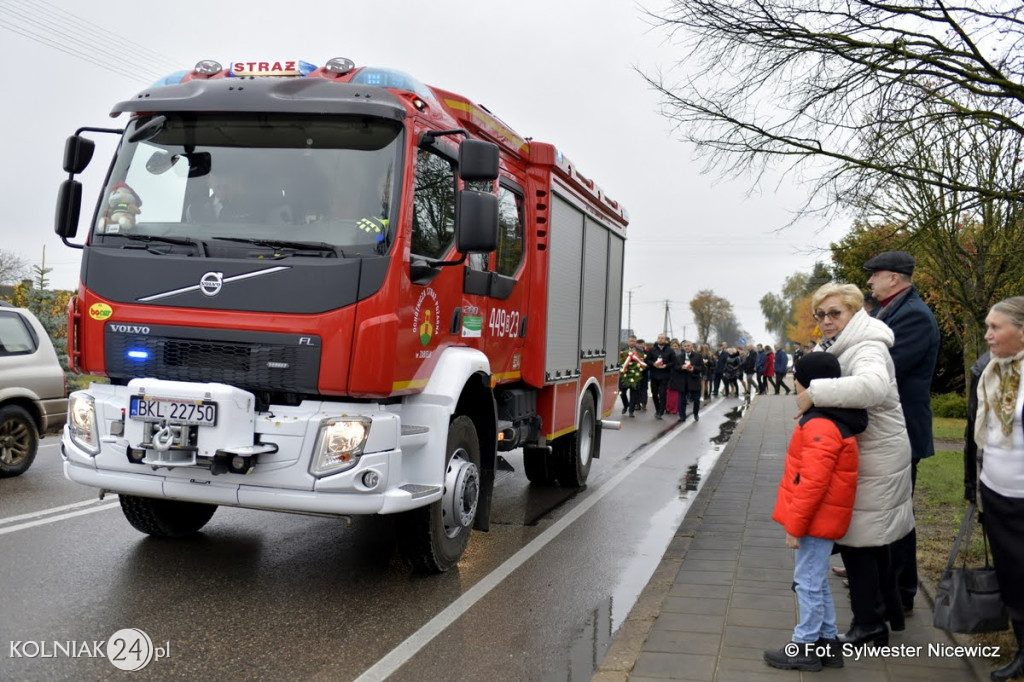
(478, 160)
(476, 221)
(78, 153)
(69, 206)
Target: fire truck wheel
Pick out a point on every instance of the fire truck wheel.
(433, 538)
(574, 452)
(165, 518)
(539, 466)
(19, 440)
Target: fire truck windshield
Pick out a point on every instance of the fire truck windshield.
(250, 179)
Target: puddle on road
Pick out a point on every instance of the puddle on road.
(593, 640)
(733, 417)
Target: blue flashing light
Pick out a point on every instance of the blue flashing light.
(174, 79)
(305, 68)
(393, 79)
(138, 354)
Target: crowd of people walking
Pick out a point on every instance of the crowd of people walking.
(673, 375)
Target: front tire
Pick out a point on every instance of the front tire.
(165, 518)
(19, 441)
(574, 452)
(433, 538)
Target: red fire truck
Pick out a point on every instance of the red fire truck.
(336, 291)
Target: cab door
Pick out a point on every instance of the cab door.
(507, 321)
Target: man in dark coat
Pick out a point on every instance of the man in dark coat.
(685, 379)
(759, 365)
(659, 364)
(749, 369)
(781, 365)
(914, 353)
(721, 357)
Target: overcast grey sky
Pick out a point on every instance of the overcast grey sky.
(559, 71)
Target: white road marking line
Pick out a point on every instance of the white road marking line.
(401, 654)
(59, 517)
(51, 510)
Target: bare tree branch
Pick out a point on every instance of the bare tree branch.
(829, 82)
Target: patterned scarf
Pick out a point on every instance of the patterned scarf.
(826, 343)
(998, 389)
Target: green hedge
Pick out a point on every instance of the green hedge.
(949, 405)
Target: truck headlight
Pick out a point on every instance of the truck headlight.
(82, 422)
(339, 444)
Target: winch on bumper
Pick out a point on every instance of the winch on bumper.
(206, 443)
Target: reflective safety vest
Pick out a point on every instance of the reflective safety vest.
(372, 225)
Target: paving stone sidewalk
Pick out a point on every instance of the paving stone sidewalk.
(722, 595)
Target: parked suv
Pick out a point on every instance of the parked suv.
(32, 388)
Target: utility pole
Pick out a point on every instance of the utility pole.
(667, 326)
(629, 308)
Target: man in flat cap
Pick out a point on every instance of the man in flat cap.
(914, 353)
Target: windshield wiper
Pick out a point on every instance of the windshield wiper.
(196, 244)
(322, 247)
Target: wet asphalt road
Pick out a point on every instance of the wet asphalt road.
(260, 595)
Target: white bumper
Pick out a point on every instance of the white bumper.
(406, 475)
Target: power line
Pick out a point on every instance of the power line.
(61, 48)
(145, 52)
(83, 40)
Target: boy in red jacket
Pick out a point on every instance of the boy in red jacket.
(815, 504)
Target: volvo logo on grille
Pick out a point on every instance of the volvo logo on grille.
(211, 282)
(129, 329)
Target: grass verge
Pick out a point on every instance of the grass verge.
(948, 429)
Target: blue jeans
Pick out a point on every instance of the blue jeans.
(817, 612)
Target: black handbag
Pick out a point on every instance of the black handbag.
(968, 599)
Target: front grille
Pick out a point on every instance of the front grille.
(253, 361)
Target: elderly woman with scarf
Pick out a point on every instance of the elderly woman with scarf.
(883, 509)
(997, 438)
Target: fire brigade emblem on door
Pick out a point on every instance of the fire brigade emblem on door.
(426, 316)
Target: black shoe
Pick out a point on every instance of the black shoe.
(862, 634)
(1013, 670)
(624, 410)
(658, 417)
(683, 418)
(696, 417)
(830, 651)
(632, 416)
(794, 656)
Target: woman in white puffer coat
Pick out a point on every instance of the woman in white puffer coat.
(883, 511)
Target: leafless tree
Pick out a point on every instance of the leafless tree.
(970, 249)
(13, 268)
(822, 85)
